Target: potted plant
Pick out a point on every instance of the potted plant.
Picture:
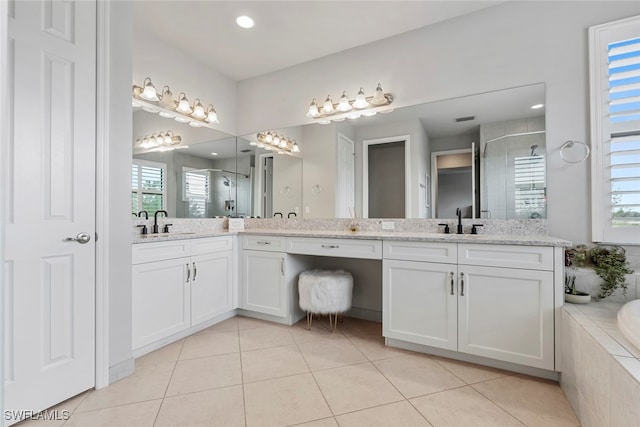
(611, 265)
(571, 294)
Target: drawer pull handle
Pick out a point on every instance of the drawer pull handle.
(263, 243)
(330, 246)
(188, 273)
(461, 284)
(452, 284)
(195, 271)
(282, 266)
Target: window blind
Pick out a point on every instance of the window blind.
(623, 145)
(530, 192)
(148, 186)
(197, 192)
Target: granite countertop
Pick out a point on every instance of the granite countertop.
(505, 239)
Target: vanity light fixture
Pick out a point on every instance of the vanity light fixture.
(181, 110)
(159, 141)
(271, 141)
(360, 106)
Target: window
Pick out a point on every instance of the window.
(530, 197)
(196, 191)
(148, 186)
(615, 130)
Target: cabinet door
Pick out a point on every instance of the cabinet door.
(420, 302)
(506, 314)
(161, 302)
(263, 282)
(211, 286)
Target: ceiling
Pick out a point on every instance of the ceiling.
(286, 33)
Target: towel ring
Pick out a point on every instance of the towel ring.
(570, 144)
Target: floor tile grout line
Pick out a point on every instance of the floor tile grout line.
(315, 380)
(164, 395)
(496, 403)
(244, 399)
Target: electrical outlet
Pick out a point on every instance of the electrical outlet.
(388, 225)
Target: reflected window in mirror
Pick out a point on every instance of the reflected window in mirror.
(196, 191)
(148, 186)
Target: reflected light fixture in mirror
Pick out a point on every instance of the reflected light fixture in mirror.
(165, 105)
(345, 108)
(159, 142)
(272, 141)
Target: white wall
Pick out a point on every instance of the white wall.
(512, 44)
(118, 226)
(318, 146)
(166, 65)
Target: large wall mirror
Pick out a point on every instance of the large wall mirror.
(484, 154)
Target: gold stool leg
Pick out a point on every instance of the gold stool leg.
(309, 320)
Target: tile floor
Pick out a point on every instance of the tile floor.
(246, 372)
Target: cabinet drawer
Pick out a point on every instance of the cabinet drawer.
(420, 251)
(158, 251)
(527, 257)
(211, 244)
(264, 243)
(344, 248)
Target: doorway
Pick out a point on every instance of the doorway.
(386, 177)
(454, 183)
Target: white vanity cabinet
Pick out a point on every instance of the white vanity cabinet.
(419, 287)
(269, 279)
(178, 285)
(495, 301)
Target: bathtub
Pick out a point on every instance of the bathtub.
(629, 321)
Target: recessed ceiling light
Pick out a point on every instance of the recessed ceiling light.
(214, 154)
(535, 107)
(244, 21)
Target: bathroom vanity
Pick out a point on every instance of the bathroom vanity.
(475, 297)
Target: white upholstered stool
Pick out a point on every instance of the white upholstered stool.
(325, 292)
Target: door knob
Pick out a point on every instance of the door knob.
(80, 238)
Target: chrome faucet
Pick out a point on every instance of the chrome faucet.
(459, 213)
(155, 220)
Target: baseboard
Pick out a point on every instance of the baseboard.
(121, 370)
(364, 314)
(499, 364)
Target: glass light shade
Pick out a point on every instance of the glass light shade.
(149, 109)
(167, 137)
(338, 119)
(149, 91)
(369, 113)
(343, 104)
(253, 143)
(145, 143)
(167, 115)
(295, 148)
(361, 100)
(135, 103)
(212, 116)
(183, 104)
(276, 140)
(283, 143)
(324, 122)
(195, 124)
(268, 137)
(198, 110)
(354, 115)
(379, 98)
(313, 109)
(327, 107)
(181, 119)
(167, 100)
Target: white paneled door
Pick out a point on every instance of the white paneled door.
(49, 280)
